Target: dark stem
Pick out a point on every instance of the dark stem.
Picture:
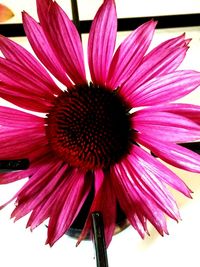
(75, 15)
(99, 239)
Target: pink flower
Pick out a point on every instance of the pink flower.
(89, 134)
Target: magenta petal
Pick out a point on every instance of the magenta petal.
(69, 201)
(16, 53)
(101, 42)
(166, 88)
(42, 49)
(148, 181)
(37, 158)
(163, 59)
(130, 54)
(42, 10)
(65, 40)
(128, 202)
(104, 202)
(165, 126)
(21, 142)
(15, 74)
(134, 202)
(13, 118)
(19, 86)
(173, 154)
(189, 111)
(165, 174)
(40, 185)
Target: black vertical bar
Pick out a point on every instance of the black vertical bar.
(75, 15)
(99, 240)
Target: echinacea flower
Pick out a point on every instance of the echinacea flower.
(92, 134)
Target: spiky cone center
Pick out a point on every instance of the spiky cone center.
(89, 127)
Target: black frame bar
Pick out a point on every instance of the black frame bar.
(124, 24)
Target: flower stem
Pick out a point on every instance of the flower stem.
(75, 15)
(99, 240)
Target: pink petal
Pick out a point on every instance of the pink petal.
(104, 202)
(136, 202)
(5, 13)
(20, 143)
(16, 53)
(42, 49)
(149, 183)
(22, 100)
(42, 10)
(13, 118)
(173, 154)
(163, 59)
(20, 75)
(40, 185)
(130, 54)
(166, 88)
(69, 201)
(165, 126)
(65, 42)
(165, 174)
(18, 81)
(15, 176)
(36, 160)
(191, 112)
(101, 42)
(44, 210)
(132, 211)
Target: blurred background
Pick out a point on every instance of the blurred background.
(20, 247)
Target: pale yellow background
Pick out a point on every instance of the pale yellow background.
(19, 247)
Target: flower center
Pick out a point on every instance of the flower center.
(89, 127)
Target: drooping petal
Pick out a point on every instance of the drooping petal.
(105, 203)
(165, 174)
(136, 202)
(69, 201)
(165, 126)
(173, 154)
(101, 42)
(44, 210)
(149, 182)
(64, 39)
(130, 54)
(166, 88)
(42, 49)
(16, 53)
(163, 59)
(35, 164)
(5, 13)
(37, 159)
(133, 211)
(39, 186)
